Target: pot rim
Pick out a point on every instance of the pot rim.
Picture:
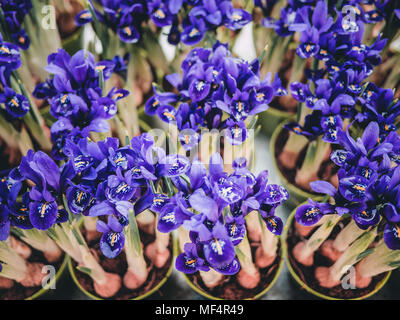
(294, 189)
(60, 271)
(289, 222)
(258, 295)
(143, 296)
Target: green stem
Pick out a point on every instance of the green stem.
(351, 254)
(347, 236)
(133, 249)
(320, 235)
(245, 257)
(316, 154)
(13, 265)
(295, 143)
(269, 241)
(381, 260)
(39, 240)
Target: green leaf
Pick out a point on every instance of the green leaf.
(187, 180)
(86, 270)
(262, 55)
(394, 264)
(253, 122)
(52, 234)
(17, 232)
(240, 254)
(261, 221)
(101, 81)
(170, 188)
(78, 237)
(66, 207)
(367, 252)
(134, 232)
(96, 25)
(315, 242)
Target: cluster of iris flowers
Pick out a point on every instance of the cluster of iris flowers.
(293, 14)
(105, 180)
(215, 91)
(222, 202)
(348, 62)
(368, 187)
(16, 105)
(13, 18)
(75, 94)
(188, 20)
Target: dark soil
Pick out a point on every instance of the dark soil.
(230, 289)
(18, 291)
(327, 170)
(307, 274)
(119, 266)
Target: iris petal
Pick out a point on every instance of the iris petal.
(219, 252)
(112, 243)
(308, 214)
(43, 214)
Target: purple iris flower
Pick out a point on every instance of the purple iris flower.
(123, 17)
(282, 26)
(171, 217)
(220, 203)
(174, 165)
(194, 18)
(236, 228)
(19, 212)
(120, 187)
(16, 104)
(162, 12)
(379, 105)
(14, 13)
(369, 183)
(113, 239)
(310, 213)
(366, 218)
(218, 248)
(83, 18)
(75, 96)
(44, 175)
(9, 189)
(216, 91)
(310, 30)
(311, 129)
(193, 31)
(391, 236)
(79, 198)
(189, 261)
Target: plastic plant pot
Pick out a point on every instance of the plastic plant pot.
(46, 293)
(209, 296)
(92, 296)
(378, 286)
